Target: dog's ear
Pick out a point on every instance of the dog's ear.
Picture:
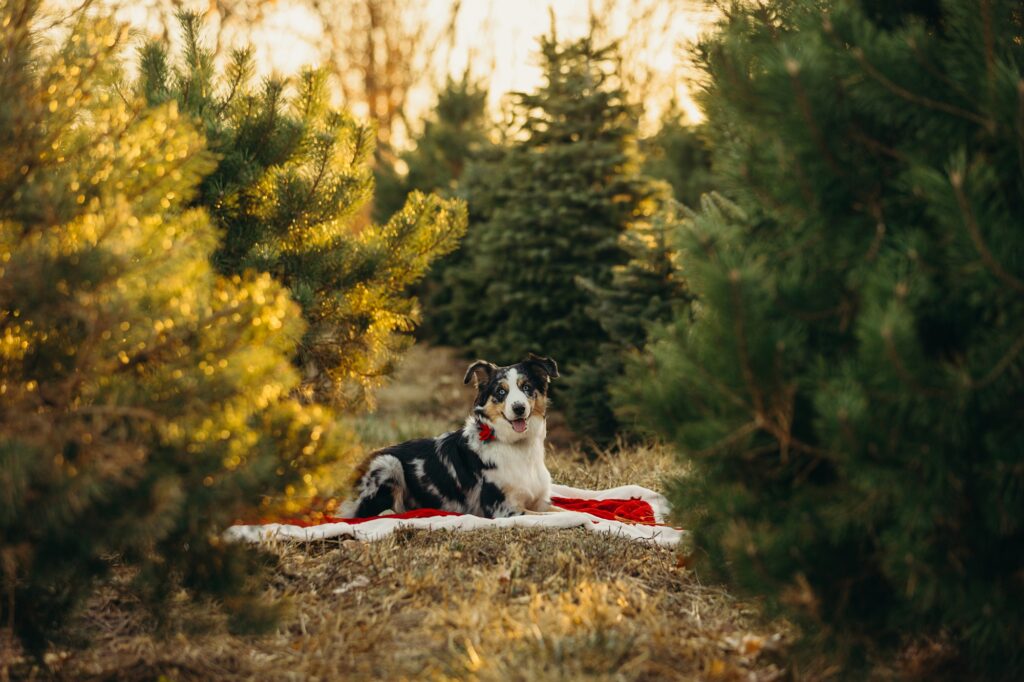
(480, 371)
(546, 365)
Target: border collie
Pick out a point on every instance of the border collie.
(492, 467)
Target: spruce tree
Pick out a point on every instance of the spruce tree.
(141, 395)
(648, 289)
(548, 209)
(454, 138)
(290, 193)
(851, 386)
(678, 154)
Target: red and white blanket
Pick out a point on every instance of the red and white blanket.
(629, 511)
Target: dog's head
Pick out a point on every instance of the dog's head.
(513, 397)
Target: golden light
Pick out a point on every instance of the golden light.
(496, 40)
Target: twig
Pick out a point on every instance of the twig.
(901, 369)
(956, 179)
(793, 69)
(1000, 366)
(731, 439)
(902, 92)
(118, 411)
(741, 343)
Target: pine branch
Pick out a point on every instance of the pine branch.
(1020, 125)
(1001, 366)
(901, 369)
(903, 93)
(793, 69)
(238, 76)
(740, 336)
(118, 411)
(736, 436)
(989, 43)
(956, 179)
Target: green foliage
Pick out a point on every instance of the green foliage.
(649, 288)
(679, 155)
(453, 139)
(547, 209)
(851, 387)
(142, 396)
(290, 194)
(453, 136)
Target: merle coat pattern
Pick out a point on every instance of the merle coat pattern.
(492, 467)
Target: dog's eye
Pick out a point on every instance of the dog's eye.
(527, 388)
(500, 394)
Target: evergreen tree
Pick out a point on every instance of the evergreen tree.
(141, 395)
(646, 290)
(453, 136)
(453, 139)
(851, 386)
(289, 193)
(679, 155)
(552, 207)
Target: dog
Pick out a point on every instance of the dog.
(492, 467)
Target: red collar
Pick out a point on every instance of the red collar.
(486, 432)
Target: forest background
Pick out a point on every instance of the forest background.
(789, 253)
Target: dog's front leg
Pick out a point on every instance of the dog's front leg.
(504, 511)
(542, 506)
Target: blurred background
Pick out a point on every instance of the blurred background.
(392, 57)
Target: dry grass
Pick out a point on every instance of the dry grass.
(485, 605)
(505, 605)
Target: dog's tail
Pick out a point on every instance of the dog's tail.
(379, 488)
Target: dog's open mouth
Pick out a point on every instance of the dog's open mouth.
(518, 425)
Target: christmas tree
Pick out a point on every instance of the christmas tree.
(454, 138)
(290, 194)
(142, 396)
(678, 154)
(649, 288)
(549, 208)
(850, 387)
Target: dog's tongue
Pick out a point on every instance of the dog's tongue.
(519, 425)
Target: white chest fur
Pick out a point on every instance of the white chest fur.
(519, 470)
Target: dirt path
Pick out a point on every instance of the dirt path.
(486, 605)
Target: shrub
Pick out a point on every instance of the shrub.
(851, 386)
(291, 193)
(142, 396)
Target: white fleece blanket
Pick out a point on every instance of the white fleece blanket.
(377, 528)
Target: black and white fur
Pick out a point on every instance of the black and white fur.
(459, 471)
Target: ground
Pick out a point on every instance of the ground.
(484, 605)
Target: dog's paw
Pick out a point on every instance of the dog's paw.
(505, 511)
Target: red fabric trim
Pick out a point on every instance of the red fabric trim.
(633, 510)
(486, 433)
(414, 514)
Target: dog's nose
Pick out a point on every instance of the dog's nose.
(519, 409)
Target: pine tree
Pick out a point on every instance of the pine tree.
(850, 388)
(678, 154)
(454, 138)
(455, 134)
(648, 289)
(141, 395)
(551, 208)
(289, 194)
